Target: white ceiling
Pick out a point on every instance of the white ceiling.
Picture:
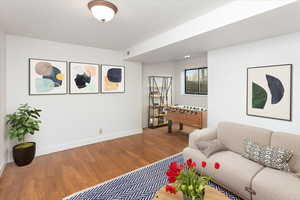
(280, 21)
(71, 21)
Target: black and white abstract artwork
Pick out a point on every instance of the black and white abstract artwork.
(269, 91)
(84, 78)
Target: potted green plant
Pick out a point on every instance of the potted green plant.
(20, 123)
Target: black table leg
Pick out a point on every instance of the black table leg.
(181, 126)
(170, 123)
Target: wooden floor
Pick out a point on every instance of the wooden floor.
(60, 174)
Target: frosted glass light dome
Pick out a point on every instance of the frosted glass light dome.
(102, 10)
(103, 13)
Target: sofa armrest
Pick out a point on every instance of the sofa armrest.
(203, 134)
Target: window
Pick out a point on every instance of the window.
(196, 81)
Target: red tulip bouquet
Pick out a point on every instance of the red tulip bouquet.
(184, 178)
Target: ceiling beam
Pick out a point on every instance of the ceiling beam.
(228, 14)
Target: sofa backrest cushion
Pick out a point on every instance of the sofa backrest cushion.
(232, 135)
(291, 142)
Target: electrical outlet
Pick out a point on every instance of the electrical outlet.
(100, 131)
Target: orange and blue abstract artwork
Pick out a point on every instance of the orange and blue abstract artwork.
(47, 77)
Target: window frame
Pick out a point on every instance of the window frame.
(185, 80)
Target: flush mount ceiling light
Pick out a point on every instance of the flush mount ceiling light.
(187, 57)
(102, 10)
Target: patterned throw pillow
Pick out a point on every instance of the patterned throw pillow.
(252, 150)
(274, 157)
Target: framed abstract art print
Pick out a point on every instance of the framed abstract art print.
(84, 78)
(113, 79)
(269, 92)
(47, 77)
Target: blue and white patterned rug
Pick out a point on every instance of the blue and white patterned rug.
(140, 184)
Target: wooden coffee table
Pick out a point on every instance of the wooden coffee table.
(210, 194)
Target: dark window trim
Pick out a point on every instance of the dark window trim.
(196, 93)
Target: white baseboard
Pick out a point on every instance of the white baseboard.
(2, 167)
(79, 143)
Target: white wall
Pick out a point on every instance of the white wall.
(73, 120)
(188, 99)
(176, 70)
(158, 69)
(3, 144)
(227, 80)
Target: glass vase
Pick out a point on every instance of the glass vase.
(186, 197)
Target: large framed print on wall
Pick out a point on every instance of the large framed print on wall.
(47, 77)
(113, 79)
(269, 91)
(84, 78)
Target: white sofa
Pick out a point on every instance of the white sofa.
(244, 177)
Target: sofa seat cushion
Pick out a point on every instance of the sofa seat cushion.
(276, 185)
(232, 135)
(236, 172)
